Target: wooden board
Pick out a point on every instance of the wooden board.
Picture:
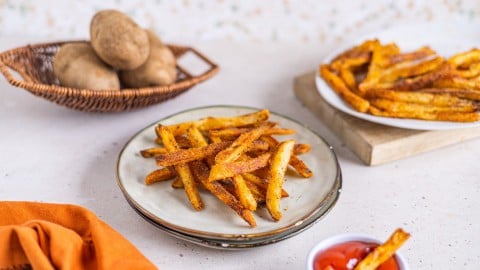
(374, 143)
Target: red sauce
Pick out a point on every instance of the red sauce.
(346, 255)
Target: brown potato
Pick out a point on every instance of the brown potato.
(76, 65)
(118, 40)
(159, 69)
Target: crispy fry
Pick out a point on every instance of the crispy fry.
(419, 97)
(349, 79)
(457, 82)
(465, 58)
(339, 86)
(383, 252)
(240, 145)
(365, 48)
(222, 122)
(440, 116)
(182, 169)
(411, 56)
(226, 170)
(190, 154)
(278, 166)
(243, 193)
(160, 175)
(418, 82)
(462, 93)
(410, 69)
(405, 107)
(234, 132)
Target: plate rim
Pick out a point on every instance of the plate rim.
(239, 240)
(387, 121)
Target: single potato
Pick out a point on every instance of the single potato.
(76, 65)
(159, 69)
(118, 40)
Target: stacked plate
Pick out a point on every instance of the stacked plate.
(217, 225)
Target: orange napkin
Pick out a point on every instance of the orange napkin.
(57, 236)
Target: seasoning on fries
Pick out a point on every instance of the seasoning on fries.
(237, 159)
(381, 80)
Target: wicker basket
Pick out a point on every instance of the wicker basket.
(34, 64)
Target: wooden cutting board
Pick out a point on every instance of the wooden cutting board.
(375, 143)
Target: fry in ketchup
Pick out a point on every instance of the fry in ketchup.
(359, 255)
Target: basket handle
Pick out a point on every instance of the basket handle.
(5, 70)
(212, 70)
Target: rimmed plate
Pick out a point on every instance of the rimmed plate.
(446, 39)
(217, 225)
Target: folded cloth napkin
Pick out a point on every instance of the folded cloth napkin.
(58, 236)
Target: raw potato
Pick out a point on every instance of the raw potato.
(159, 69)
(76, 65)
(118, 40)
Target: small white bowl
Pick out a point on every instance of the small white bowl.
(347, 237)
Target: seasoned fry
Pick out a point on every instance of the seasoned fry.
(160, 175)
(405, 107)
(411, 56)
(222, 122)
(240, 145)
(234, 132)
(461, 93)
(190, 154)
(419, 98)
(339, 86)
(182, 169)
(383, 252)
(440, 116)
(226, 170)
(457, 82)
(244, 193)
(465, 58)
(410, 69)
(278, 166)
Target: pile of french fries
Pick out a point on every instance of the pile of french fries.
(237, 159)
(381, 80)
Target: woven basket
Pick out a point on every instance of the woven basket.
(34, 64)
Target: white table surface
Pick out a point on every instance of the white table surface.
(49, 153)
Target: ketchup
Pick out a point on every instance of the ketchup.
(346, 256)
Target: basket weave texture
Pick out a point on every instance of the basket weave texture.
(34, 64)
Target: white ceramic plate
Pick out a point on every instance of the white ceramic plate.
(309, 199)
(446, 39)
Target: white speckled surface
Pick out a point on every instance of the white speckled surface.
(53, 154)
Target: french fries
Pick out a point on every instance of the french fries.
(381, 80)
(383, 252)
(278, 166)
(236, 159)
